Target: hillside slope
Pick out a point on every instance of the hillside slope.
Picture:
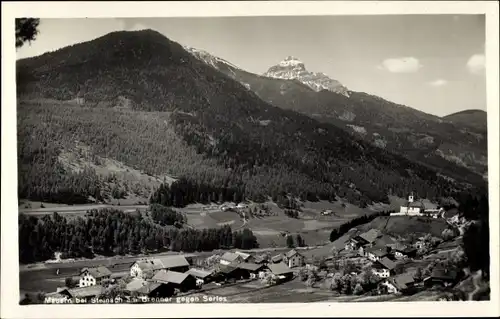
(419, 136)
(146, 102)
(472, 118)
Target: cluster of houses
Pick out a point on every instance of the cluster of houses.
(385, 253)
(167, 276)
(414, 207)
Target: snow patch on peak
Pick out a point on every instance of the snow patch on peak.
(208, 58)
(291, 61)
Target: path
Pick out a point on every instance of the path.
(76, 209)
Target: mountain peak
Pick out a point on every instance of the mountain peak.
(291, 68)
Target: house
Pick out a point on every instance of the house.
(177, 280)
(277, 259)
(245, 257)
(327, 212)
(230, 273)
(401, 283)
(400, 251)
(261, 259)
(363, 240)
(294, 259)
(230, 258)
(376, 253)
(384, 267)
(442, 277)
(93, 276)
(251, 270)
(149, 267)
(83, 293)
(200, 274)
(241, 206)
(281, 271)
(143, 288)
(384, 241)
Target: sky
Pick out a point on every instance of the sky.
(434, 63)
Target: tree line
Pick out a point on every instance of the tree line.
(113, 232)
(338, 232)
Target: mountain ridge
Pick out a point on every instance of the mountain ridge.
(140, 89)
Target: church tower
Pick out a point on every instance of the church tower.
(410, 198)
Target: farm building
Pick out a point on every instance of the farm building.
(83, 292)
(281, 271)
(200, 274)
(327, 212)
(400, 251)
(261, 259)
(251, 270)
(245, 257)
(384, 267)
(230, 273)
(149, 267)
(294, 259)
(376, 253)
(230, 258)
(400, 284)
(366, 239)
(442, 277)
(277, 259)
(93, 276)
(177, 280)
(150, 289)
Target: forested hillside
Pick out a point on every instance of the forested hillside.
(155, 108)
(449, 146)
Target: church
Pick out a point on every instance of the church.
(412, 207)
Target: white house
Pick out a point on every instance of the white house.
(149, 267)
(376, 253)
(294, 259)
(93, 276)
(384, 268)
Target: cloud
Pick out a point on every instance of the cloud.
(476, 63)
(438, 82)
(401, 65)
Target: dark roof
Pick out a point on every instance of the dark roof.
(403, 280)
(416, 204)
(277, 258)
(97, 272)
(387, 263)
(149, 287)
(227, 269)
(170, 276)
(135, 284)
(398, 247)
(384, 240)
(250, 266)
(279, 269)
(245, 256)
(371, 235)
(83, 292)
(444, 274)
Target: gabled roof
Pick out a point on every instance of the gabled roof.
(245, 256)
(97, 272)
(229, 256)
(277, 258)
(227, 269)
(149, 287)
(174, 277)
(371, 235)
(250, 266)
(387, 263)
(199, 273)
(444, 274)
(173, 261)
(279, 269)
(84, 292)
(292, 253)
(384, 240)
(403, 280)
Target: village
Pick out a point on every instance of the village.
(359, 263)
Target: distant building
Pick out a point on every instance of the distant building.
(366, 239)
(399, 284)
(200, 274)
(400, 251)
(245, 257)
(231, 258)
(177, 280)
(413, 207)
(442, 277)
(294, 259)
(150, 289)
(327, 212)
(281, 271)
(93, 276)
(251, 270)
(277, 259)
(376, 253)
(142, 268)
(384, 267)
(83, 292)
